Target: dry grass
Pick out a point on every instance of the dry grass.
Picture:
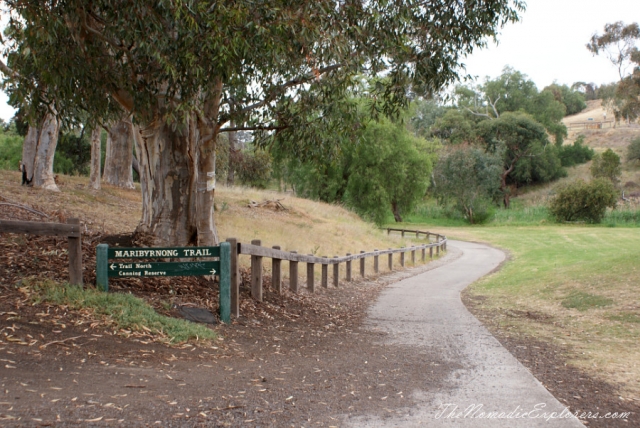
(580, 284)
(305, 226)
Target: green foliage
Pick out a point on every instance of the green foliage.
(127, 311)
(607, 165)
(454, 127)
(73, 154)
(584, 301)
(469, 178)
(423, 115)
(254, 168)
(633, 150)
(576, 153)
(573, 100)
(527, 155)
(390, 170)
(10, 150)
(283, 66)
(512, 92)
(584, 201)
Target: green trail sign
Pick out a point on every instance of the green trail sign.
(123, 263)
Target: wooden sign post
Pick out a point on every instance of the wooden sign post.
(124, 263)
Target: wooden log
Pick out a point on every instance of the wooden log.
(325, 274)
(348, 268)
(293, 275)
(234, 278)
(256, 274)
(310, 278)
(38, 228)
(376, 267)
(336, 273)
(362, 261)
(402, 258)
(75, 254)
(390, 261)
(276, 272)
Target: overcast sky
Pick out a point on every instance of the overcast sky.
(548, 44)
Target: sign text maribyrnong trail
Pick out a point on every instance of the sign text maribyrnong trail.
(118, 262)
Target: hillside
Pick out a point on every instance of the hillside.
(616, 139)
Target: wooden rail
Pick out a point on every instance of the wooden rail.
(258, 252)
(71, 230)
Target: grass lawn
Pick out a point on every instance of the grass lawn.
(580, 282)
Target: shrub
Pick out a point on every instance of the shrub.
(584, 201)
(633, 151)
(607, 165)
(576, 153)
(255, 168)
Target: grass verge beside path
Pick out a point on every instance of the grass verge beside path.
(574, 286)
(126, 313)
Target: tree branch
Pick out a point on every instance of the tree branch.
(254, 128)
(8, 71)
(295, 82)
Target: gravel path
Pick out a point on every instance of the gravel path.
(426, 312)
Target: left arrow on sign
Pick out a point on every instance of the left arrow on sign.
(113, 266)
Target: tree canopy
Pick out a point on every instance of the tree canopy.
(188, 69)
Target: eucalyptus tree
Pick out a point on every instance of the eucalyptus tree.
(174, 65)
(118, 160)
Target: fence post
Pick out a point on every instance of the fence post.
(336, 273)
(75, 255)
(256, 274)
(234, 277)
(348, 268)
(390, 261)
(293, 274)
(413, 256)
(102, 267)
(402, 257)
(276, 272)
(424, 254)
(430, 252)
(376, 268)
(310, 284)
(362, 261)
(417, 235)
(403, 233)
(225, 279)
(325, 274)
(438, 250)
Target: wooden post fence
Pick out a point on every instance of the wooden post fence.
(71, 230)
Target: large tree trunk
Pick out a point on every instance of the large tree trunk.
(396, 212)
(94, 175)
(38, 152)
(177, 178)
(119, 155)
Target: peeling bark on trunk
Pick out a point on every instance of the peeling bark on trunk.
(38, 152)
(94, 176)
(175, 177)
(119, 155)
(168, 191)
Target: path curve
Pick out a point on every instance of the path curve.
(426, 311)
